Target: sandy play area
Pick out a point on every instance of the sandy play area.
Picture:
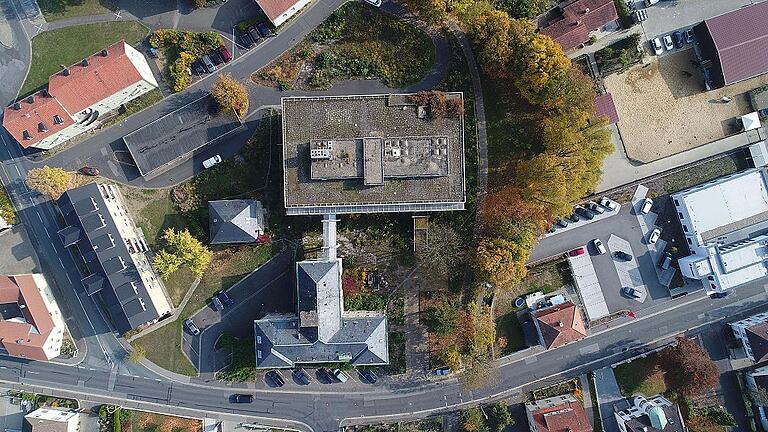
(664, 110)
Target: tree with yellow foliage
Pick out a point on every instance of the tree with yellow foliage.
(229, 93)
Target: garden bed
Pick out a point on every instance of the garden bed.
(357, 41)
(178, 50)
(7, 212)
(619, 55)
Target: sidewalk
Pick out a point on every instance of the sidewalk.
(607, 393)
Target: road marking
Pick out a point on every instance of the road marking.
(17, 170)
(46, 231)
(61, 262)
(67, 275)
(38, 216)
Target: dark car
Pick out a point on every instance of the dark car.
(242, 398)
(562, 223)
(276, 377)
(225, 298)
(225, 54)
(246, 39)
(198, 67)
(89, 171)
(254, 32)
(217, 304)
(573, 217)
(678, 37)
(622, 256)
(302, 376)
(325, 375)
(719, 295)
(215, 55)
(586, 214)
(688, 36)
(367, 375)
(264, 31)
(631, 292)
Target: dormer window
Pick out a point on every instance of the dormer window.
(57, 119)
(41, 127)
(26, 135)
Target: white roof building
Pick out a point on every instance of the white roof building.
(725, 222)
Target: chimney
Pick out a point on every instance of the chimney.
(586, 11)
(65, 72)
(57, 119)
(104, 52)
(31, 99)
(560, 324)
(16, 106)
(84, 62)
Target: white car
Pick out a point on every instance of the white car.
(656, 45)
(609, 203)
(654, 237)
(376, 3)
(646, 207)
(211, 161)
(668, 43)
(599, 246)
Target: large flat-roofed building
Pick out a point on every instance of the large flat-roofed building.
(114, 251)
(31, 324)
(370, 154)
(51, 420)
(174, 137)
(78, 95)
(725, 222)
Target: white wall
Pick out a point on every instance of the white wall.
(290, 12)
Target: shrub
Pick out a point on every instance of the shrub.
(441, 319)
(187, 46)
(229, 93)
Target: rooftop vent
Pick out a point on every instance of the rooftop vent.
(65, 72)
(57, 119)
(84, 62)
(31, 99)
(26, 135)
(586, 11)
(104, 52)
(41, 127)
(16, 106)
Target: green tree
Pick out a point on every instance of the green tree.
(524, 8)
(189, 251)
(49, 181)
(229, 93)
(720, 416)
(450, 357)
(442, 319)
(489, 28)
(472, 420)
(166, 263)
(499, 417)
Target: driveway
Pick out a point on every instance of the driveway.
(267, 289)
(608, 394)
(667, 16)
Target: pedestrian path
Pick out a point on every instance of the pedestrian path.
(608, 393)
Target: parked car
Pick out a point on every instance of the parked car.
(340, 375)
(656, 46)
(645, 207)
(225, 298)
(264, 31)
(367, 375)
(242, 398)
(442, 371)
(216, 57)
(678, 37)
(595, 208)
(326, 375)
(599, 246)
(655, 234)
(254, 32)
(209, 66)
(225, 54)
(688, 36)
(576, 252)
(276, 377)
(609, 203)
(191, 326)
(586, 214)
(376, 3)
(562, 223)
(211, 161)
(89, 171)
(666, 261)
(246, 39)
(573, 217)
(631, 292)
(302, 376)
(198, 67)
(217, 304)
(649, 3)
(668, 42)
(622, 256)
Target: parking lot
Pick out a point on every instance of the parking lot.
(667, 16)
(623, 231)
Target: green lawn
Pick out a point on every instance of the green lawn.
(164, 349)
(157, 216)
(640, 376)
(69, 45)
(508, 326)
(60, 9)
(144, 101)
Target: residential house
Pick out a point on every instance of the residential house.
(236, 221)
(559, 325)
(752, 332)
(562, 413)
(573, 21)
(279, 11)
(655, 414)
(48, 419)
(78, 95)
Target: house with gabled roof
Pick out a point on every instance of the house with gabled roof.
(573, 21)
(562, 413)
(235, 221)
(559, 325)
(279, 11)
(752, 332)
(78, 95)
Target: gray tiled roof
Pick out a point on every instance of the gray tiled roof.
(235, 221)
(320, 296)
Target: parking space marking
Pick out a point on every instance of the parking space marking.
(628, 271)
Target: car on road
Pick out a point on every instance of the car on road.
(595, 208)
(367, 375)
(211, 161)
(666, 261)
(242, 398)
(688, 36)
(340, 375)
(668, 43)
(576, 252)
(645, 207)
(89, 171)
(302, 376)
(217, 304)
(622, 256)
(276, 377)
(656, 46)
(649, 3)
(599, 246)
(264, 31)
(720, 294)
(442, 371)
(586, 214)
(654, 237)
(631, 292)
(191, 326)
(225, 298)
(609, 203)
(678, 37)
(562, 223)
(225, 54)
(209, 66)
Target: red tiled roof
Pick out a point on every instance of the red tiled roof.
(604, 107)
(560, 325)
(580, 18)
(25, 339)
(274, 8)
(29, 116)
(103, 77)
(569, 416)
(741, 40)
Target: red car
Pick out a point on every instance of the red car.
(225, 53)
(89, 171)
(576, 252)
